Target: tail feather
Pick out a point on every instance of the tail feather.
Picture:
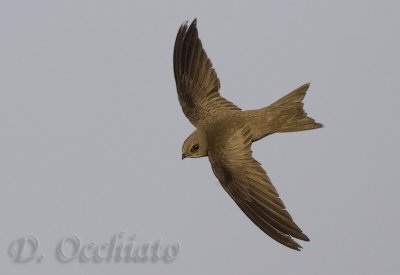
(284, 115)
(290, 115)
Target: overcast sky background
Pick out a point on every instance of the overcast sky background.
(91, 132)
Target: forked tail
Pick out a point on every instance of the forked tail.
(284, 115)
(289, 114)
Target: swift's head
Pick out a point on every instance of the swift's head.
(195, 146)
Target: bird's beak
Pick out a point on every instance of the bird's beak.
(183, 156)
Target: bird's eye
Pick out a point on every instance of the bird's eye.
(194, 148)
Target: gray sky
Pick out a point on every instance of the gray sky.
(91, 133)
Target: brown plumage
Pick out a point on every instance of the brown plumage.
(225, 133)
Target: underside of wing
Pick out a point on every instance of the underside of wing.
(249, 186)
(196, 80)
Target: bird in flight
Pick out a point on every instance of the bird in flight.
(225, 133)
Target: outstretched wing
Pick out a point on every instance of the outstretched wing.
(249, 186)
(196, 81)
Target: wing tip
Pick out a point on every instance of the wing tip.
(193, 24)
(291, 243)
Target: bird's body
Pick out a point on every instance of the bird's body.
(225, 133)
